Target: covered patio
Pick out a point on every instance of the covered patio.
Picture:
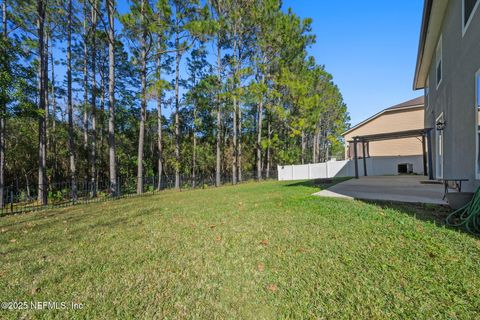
(424, 134)
(403, 188)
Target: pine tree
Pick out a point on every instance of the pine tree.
(185, 30)
(217, 7)
(71, 142)
(42, 90)
(162, 29)
(3, 98)
(139, 26)
(111, 96)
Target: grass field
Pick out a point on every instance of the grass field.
(255, 251)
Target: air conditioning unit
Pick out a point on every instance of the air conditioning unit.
(405, 168)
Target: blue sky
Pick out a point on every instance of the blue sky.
(369, 47)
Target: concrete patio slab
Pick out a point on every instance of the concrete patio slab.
(387, 188)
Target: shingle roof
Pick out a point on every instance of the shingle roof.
(410, 103)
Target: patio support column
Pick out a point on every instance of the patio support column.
(424, 153)
(364, 159)
(430, 156)
(355, 156)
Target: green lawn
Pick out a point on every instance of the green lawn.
(256, 251)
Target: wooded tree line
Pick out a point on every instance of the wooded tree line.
(95, 90)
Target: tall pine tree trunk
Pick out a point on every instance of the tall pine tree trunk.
(177, 115)
(42, 178)
(269, 137)
(259, 133)
(159, 123)
(46, 110)
(47, 96)
(71, 144)
(218, 168)
(303, 142)
(326, 153)
(101, 157)
(234, 142)
(236, 107)
(111, 97)
(85, 90)
(194, 155)
(194, 136)
(318, 147)
(239, 161)
(143, 108)
(53, 136)
(3, 113)
(235, 112)
(93, 160)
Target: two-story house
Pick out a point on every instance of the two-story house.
(448, 69)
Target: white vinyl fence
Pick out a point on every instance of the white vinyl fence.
(376, 166)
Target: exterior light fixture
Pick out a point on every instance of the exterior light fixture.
(440, 125)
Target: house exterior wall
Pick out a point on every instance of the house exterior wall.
(391, 121)
(455, 96)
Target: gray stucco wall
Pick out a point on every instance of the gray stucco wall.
(455, 96)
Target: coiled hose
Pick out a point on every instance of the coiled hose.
(468, 216)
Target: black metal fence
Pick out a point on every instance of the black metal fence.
(19, 199)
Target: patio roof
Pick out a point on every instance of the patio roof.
(392, 135)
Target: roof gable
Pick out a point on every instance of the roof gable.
(407, 105)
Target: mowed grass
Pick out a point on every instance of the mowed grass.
(255, 251)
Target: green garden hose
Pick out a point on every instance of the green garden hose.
(468, 216)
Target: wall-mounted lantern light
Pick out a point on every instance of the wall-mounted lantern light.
(440, 125)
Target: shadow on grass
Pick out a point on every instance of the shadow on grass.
(79, 230)
(433, 213)
(43, 213)
(424, 212)
(318, 183)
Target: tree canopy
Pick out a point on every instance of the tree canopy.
(172, 89)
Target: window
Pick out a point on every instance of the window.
(468, 10)
(477, 108)
(438, 62)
